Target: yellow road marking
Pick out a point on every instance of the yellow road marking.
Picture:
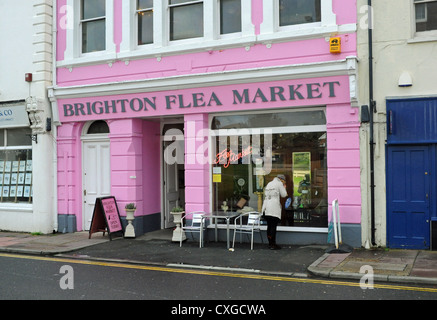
(214, 273)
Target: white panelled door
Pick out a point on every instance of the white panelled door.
(96, 177)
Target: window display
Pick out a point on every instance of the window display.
(15, 165)
(300, 156)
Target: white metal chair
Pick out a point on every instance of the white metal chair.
(197, 225)
(252, 225)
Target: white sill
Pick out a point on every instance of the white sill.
(101, 57)
(16, 207)
(427, 36)
(186, 46)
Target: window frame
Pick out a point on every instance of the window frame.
(427, 35)
(162, 44)
(271, 29)
(7, 147)
(73, 51)
(286, 27)
(83, 21)
(264, 130)
(219, 19)
(137, 23)
(185, 4)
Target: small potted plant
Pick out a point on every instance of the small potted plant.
(130, 216)
(178, 233)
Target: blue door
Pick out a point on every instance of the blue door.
(408, 196)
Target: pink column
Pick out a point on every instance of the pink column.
(69, 171)
(126, 163)
(196, 163)
(344, 162)
(151, 167)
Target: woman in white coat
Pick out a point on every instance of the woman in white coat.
(272, 207)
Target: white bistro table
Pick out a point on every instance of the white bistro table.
(223, 215)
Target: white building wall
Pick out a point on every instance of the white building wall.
(397, 49)
(26, 47)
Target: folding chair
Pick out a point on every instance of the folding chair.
(197, 225)
(252, 225)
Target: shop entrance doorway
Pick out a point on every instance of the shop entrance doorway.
(173, 173)
(409, 178)
(96, 169)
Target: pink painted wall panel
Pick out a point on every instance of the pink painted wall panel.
(151, 168)
(344, 177)
(344, 159)
(287, 53)
(343, 140)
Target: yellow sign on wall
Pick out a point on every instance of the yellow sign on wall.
(335, 45)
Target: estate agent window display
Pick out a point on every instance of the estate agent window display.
(15, 165)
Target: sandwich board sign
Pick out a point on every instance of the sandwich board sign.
(106, 218)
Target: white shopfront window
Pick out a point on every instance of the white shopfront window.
(15, 155)
(289, 143)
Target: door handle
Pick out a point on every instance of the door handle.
(84, 193)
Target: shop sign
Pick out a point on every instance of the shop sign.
(14, 116)
(194, 100)
(226, 157)
(106, 217)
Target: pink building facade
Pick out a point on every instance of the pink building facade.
(197, 103)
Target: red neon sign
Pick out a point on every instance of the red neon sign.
(227, 157)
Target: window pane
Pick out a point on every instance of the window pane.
(283, 119)
(426, 16)
(293, 12)
(145, 4)
(180, 1)
(186, 21)
(19, 137)
(230, 16)
(93, 36)
(2, 138)
(98, 127)
(93, 9)
(145, 27)
(16, 175)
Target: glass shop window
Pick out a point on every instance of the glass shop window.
(16, 165)
(245, 162)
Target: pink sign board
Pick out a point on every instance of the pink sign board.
(111, 213)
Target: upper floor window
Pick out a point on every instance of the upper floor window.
(230, 16)
(145, 21)
(426, 15)
(292, 12)
(93, 25)
(186, 19)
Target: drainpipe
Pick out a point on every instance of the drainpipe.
(372, 111)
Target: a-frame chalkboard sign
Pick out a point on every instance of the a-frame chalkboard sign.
(106, 218)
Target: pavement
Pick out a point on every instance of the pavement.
(156, 248)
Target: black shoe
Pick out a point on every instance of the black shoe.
(274, 247)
